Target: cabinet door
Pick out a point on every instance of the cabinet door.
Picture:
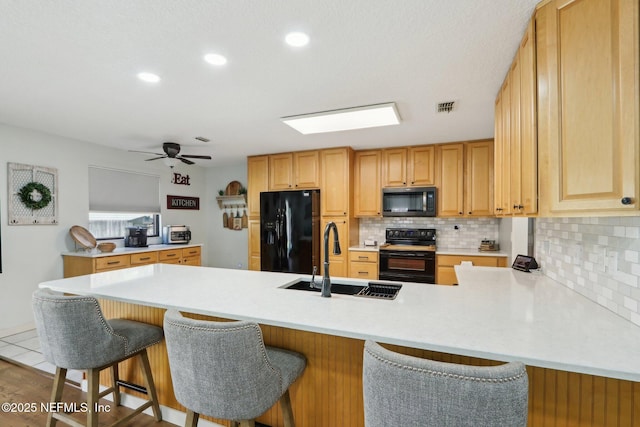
(421, 166)
(335, 191)
(451, 180)
(498, 157)
(505, 166)
(588, 105)
(281, 171)
(306, 169)
(528, 125)
(254, 244)
(338, 264)
(514, 137)
(479, 178)
(257, 181)
(367, 190)
(394, 167)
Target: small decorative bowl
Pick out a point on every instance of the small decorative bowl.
(106, 247)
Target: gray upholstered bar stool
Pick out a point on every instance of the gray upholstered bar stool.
(75, 335)
(224, 370)
(401, 390)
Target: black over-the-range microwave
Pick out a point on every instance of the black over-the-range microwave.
(409, 201)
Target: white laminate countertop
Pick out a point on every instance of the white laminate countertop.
(495, 313)
(94, 253)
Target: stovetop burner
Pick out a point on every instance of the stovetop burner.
(411, 236)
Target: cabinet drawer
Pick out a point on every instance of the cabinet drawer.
(170, 255)
(483, 261)
(363, 256)
(109, 262)
(194, 251)
(144, 258)
(363, 270)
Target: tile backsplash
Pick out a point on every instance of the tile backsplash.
(598, 257)
(468, 235)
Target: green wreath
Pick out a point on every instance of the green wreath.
(27, 192)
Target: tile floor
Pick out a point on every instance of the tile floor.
(25, 348)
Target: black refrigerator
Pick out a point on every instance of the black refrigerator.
(290, 231)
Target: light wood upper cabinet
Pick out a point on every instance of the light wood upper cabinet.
(336, 183)
(588, 102)
(516, 174)
(421, 166)
(412, 166)
(306, 169)
(298, 170)
(394, 167)
(367, 189)
(281, 171)
(451, 181)
(257, 181)
(466, 179)
(478, 186)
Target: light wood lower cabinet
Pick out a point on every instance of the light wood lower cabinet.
(363, 264)
(445, 272)
(254, 244)
(329, 392)
(80, 265)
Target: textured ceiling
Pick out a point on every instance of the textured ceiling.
(68, 67)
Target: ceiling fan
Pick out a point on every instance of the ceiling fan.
(171, 155)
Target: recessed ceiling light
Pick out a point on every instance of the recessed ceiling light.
(345, 119)
(149, 77)
(215, 59)
(297, 39)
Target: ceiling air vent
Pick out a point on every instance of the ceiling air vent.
(445, 107)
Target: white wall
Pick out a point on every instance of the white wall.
(227, 248)
(31, 253)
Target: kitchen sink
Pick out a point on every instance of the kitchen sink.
(336, 288)
(379, 290)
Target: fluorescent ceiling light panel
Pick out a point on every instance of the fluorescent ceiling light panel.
(346, 119)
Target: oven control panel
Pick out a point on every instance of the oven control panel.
(411, 236)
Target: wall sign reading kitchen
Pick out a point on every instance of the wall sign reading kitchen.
(183, 202)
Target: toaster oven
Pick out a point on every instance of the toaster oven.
(173, 234)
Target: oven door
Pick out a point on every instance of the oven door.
(408, 266)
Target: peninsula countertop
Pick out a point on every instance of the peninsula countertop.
(494, 313)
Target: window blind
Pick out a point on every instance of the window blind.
(112, 190)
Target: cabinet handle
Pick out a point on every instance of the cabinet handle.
(363, 257)
(518, 206)
(460, 213)
(145, 258)
(626, 200)
(499, 209)
(469, 213)
(170, 255)
(362, 272)
(113, 262)
(404, 183)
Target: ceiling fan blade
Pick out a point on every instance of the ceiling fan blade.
(189, 162)
(191, 156)
(146, 152)
(156, 158)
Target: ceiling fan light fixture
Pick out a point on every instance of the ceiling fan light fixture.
(345, 119)
(170, 161)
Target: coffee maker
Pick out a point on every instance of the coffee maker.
(136, 237)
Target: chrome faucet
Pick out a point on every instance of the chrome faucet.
(326, 280)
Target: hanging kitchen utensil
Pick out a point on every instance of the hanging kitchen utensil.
(245, 219)
(237, 221)
(230, 219)
(225, 218)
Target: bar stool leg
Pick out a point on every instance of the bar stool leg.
(192, 419)
(93, 389)
(248, 423)
(151, 388)
(287, 412)
(56, 393)
(114, 379)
